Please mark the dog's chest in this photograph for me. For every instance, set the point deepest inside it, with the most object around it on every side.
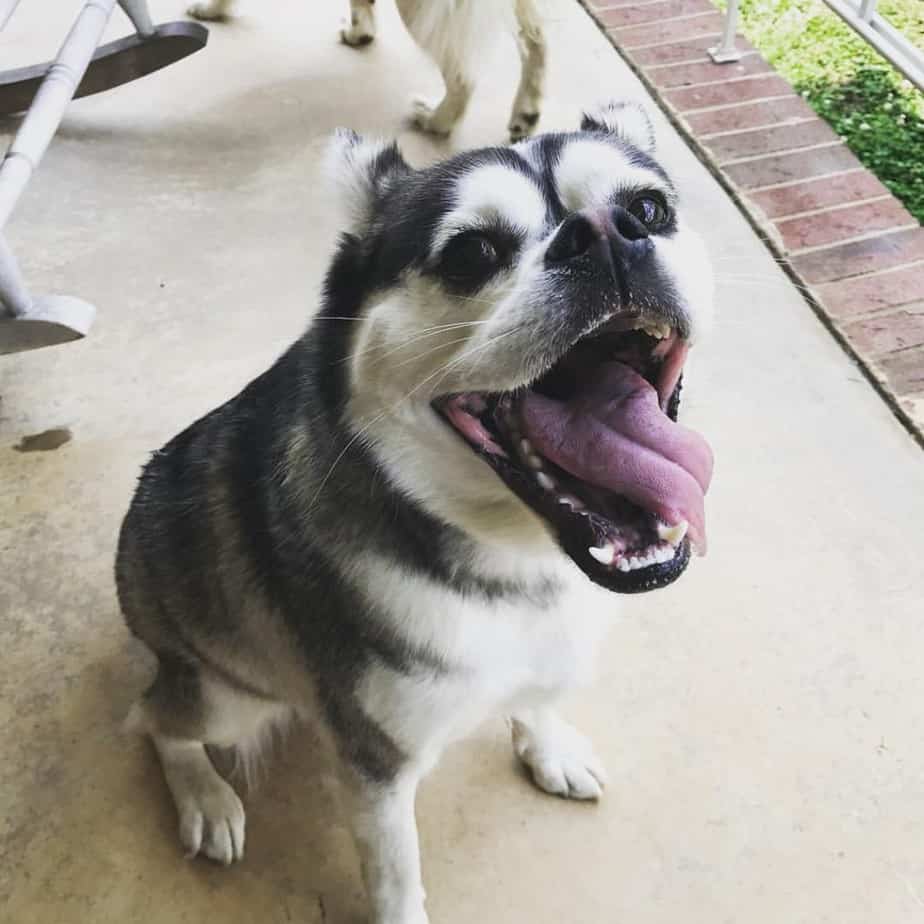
(497, 655)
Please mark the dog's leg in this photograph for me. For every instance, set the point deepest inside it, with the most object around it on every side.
(182, 712)
(528, 101)
(441, 33)
(439, 118)
(210, 813)
(211, 10)
(383, 823)
(560, 759)
(361, 30)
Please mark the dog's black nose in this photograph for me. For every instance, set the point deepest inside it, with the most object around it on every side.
(612, 235)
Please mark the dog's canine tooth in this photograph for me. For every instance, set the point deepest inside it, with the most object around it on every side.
(545, 482)
(534, 461)
(673, 534)
(605, 554)
(526, 448)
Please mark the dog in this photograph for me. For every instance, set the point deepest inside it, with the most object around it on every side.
(421, 516)
(452, 32)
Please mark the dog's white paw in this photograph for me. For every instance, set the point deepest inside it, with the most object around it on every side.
(361, 30)
(208, 12)
(561, 760)
(522, 125)
(211, 820)
(428, 116)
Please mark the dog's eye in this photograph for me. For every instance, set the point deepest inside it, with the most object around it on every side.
(468, 258)
(650, 211)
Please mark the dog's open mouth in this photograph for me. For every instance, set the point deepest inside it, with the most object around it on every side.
(593, 447)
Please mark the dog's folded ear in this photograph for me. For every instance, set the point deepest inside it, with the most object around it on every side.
(627, 120)
(362, 172)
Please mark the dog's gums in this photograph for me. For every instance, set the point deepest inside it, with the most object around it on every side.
(593, 447)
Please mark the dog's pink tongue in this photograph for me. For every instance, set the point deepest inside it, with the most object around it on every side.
(613, 434)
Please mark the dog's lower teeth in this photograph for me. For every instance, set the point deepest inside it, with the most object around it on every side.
(605, 554)
(673, 534)
(623, 564)
(545, 482)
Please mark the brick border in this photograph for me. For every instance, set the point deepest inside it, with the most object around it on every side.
(855, 252)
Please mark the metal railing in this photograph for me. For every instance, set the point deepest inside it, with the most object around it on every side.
(862, 17)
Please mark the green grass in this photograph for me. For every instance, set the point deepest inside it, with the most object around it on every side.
(867, 102)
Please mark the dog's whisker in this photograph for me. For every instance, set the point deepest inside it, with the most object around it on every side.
(426, 333)
(435, 349)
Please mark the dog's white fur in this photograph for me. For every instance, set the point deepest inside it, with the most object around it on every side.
(454, 34)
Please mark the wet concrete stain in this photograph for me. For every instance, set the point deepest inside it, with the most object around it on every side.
(44, 441)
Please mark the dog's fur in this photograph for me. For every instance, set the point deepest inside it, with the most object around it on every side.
(453, 33)
(325, 544)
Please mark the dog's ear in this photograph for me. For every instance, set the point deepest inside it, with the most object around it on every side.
(361, 172)
(627, 120)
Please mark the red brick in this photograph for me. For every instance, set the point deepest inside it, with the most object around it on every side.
(817, 194)
(686, 52)
(796, 165)
(769, 140)
(861, 257)
(836, 225)
(888, 332)
(652, 12)
(674, 30)
(905, 371)
(682, 75)
(849, 297)
(762, 86)
(749, 115)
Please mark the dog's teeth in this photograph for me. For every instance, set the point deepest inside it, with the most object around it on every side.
(623, 564)
(663, 554)
(604, 554)
(526, 449)
(673, 534)
(545, 482)
(534, 461)
(571, 501)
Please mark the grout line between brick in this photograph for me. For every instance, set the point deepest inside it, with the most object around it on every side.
(752, 158)
(840, 206)
(723, 106)
(808, 179)
(707, 60)
(880, 272)
(853, 240)
(719, 80)
(801, 120)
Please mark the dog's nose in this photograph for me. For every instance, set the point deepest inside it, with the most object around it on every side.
(612, 235)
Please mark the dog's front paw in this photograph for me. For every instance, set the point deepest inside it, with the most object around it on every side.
(522, 125)
(429, 117)
(209, 12)
(211, 820)
(361, 30)
(561, 760)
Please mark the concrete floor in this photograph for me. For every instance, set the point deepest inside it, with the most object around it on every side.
(761, 720)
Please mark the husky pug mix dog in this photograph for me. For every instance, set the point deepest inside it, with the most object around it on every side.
(416, 519)
(452, 33)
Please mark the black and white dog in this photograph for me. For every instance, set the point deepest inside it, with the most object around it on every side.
(416, 518)
(453, 33)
